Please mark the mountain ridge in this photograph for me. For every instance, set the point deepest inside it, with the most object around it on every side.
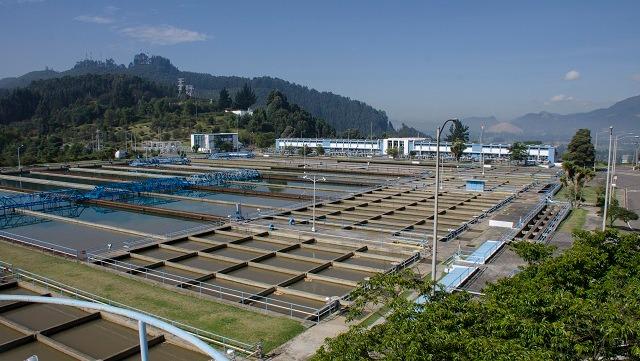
(341, 112)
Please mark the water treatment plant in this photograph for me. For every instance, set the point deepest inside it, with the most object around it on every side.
(256, 234)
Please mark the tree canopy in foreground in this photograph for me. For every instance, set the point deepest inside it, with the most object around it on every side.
(581, 305)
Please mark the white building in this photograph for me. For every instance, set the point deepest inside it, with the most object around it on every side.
(418, 147)
(207, 142)
(240, 112)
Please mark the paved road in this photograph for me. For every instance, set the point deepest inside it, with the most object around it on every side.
(628, 191)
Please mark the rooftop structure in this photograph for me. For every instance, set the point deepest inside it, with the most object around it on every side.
(418, 147)
(209, 143)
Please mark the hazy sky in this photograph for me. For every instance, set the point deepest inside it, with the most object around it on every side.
(420, 61)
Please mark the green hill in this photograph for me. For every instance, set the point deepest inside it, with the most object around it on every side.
(60, 119)
(340, 112)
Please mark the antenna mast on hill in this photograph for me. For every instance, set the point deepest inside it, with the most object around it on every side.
(189, 90)
(180, 86)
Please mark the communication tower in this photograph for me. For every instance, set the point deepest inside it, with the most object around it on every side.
(180, 86)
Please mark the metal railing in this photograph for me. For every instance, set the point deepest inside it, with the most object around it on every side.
(553, 224)
(203, 288)
(460, 279)
(75, 293)
(42, 245)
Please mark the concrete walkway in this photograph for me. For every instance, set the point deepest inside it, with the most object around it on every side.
(305, 345)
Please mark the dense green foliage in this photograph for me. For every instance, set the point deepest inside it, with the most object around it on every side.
(581, 305)
(59, 119)
(458, 136)
(518, 152)
(580, 150)
(283, 119)
(574, 178)
(339, 111)
(458, 132)
(56, 119)
(244, 98)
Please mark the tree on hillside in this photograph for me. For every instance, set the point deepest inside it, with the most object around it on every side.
(518, 152)
(245, 98)
(392, 152)
(580, 150)
(457, 148)
(458, 131)
(458, 136)
(580, 305)
(224, 100)
(574, 178)
(532, 252)
(615, 212)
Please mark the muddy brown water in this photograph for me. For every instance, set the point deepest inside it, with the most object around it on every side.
(269, 246)
(368, 262)
(169, 352)
(44, 352)
(322, 288)
(345, 274)
(178, 272)
(290, 305)
(239, 254)
(219, 237)
(192, 245)
(260, 275)
(15, 291)
(314, 253)
(38, 317)
(8, 334)
(229, 290)
(98, 339)
(289, 263)
(160, 253)
(208, 264)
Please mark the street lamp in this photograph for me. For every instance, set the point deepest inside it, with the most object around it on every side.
(482, 149)
(19, 165)
(615, 147)
(606, 194)
(313, 179)
(434, 247)
(595, 148)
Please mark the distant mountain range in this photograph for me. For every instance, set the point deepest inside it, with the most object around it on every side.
(344, 113)
(339, 111)
(624, 116)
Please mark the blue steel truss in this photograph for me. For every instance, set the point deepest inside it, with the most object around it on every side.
(156, 161)
(232, 155)
(44, 201)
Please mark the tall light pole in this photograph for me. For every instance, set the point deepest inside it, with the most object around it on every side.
(434, 246)
(595, 149)
(606, 192)
(19, 165)
(313, 179)
(615, 148)
(482, 149)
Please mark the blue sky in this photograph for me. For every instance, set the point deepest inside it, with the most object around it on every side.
(421, 61)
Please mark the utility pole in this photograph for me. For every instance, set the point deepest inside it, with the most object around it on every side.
(19, 165)
(482, 149)
(595, 149)
(434, 246)
(313, 179)
(606, 196)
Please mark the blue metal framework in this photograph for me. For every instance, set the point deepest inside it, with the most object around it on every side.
(43, 201)
(156, 161)
(232, 155)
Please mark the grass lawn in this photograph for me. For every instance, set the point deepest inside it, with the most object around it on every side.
(588, 192)
(223, 319)
(575, 220)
